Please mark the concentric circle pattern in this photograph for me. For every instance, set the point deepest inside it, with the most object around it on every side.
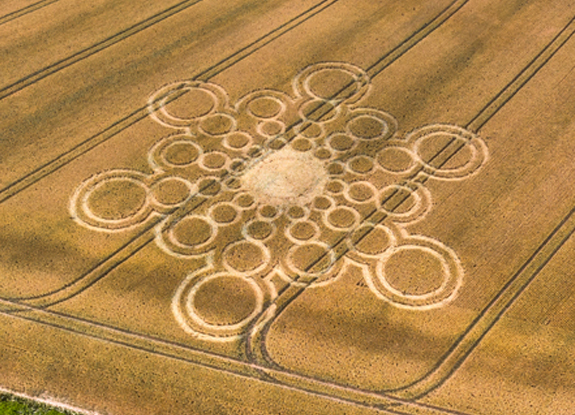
(271, 187)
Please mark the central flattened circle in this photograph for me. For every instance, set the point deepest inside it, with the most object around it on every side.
(286, 177)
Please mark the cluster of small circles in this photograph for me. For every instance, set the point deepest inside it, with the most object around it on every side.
(199, 106)
(266, 107)
(318, 104)
(181, 152)
(341, 215)
(419, 150)
(304, 144)
(213, 117)
(362, 125)
(262, 227)
(391, 159)
(96, 201)
(195, 233)
(358, 192)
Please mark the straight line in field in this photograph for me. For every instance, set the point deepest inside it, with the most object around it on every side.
(95, 48)
(25, 10)
(377, 67)
(493, 106)
(139, 114)
(186, 354)
(493, 311)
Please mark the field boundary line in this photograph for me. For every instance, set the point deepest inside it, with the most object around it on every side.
(189, 355)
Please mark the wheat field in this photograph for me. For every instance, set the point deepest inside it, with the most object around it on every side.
(288, 207)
